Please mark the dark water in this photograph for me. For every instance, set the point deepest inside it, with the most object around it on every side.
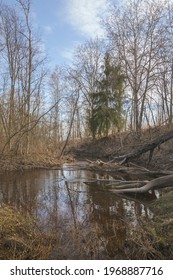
(90, 221)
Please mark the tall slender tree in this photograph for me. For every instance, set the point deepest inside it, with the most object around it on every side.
(108, 97)
(22, 75)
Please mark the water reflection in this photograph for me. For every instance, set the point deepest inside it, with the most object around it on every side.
(93, 222)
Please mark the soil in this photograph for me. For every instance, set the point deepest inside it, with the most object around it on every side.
(124, 143)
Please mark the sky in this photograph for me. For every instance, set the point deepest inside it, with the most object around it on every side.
(65, 24)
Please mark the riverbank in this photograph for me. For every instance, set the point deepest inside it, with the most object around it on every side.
(32, 161)
(105, 148)
(127, 142)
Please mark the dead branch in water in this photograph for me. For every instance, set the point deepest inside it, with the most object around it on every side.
(130, 168)
(122, 186)
(158, 183)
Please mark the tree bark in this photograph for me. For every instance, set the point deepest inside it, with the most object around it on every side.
(147, 147)
(70, 128)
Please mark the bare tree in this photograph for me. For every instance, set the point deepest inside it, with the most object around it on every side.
(22, 74)
(135, 31)
(33, 71)
(164, 83)
(56, 92)
(88, 61)
(12, 41)
(72, 99)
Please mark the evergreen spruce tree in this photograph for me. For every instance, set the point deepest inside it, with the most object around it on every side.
(107, 111)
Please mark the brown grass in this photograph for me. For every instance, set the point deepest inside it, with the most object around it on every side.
(20, 238)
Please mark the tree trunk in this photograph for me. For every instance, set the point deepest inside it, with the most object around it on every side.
(70, 128)
(147, 147)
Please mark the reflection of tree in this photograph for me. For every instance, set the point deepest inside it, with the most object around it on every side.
(113, 217)
(55, 212)
(107, 217)
(20, 189)
(93, 222)
(70, 201)
(62, 206)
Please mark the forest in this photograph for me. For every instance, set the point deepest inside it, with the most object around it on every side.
(111, 107)
(120, 83)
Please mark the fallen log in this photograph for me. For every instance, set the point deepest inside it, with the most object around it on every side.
(102, 181)
(149, 147)
(158, 183)
(128, 185)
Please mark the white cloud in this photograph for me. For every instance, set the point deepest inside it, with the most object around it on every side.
(84, 16)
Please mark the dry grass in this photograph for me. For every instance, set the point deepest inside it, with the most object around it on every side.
(20, 238)
(144, 243)
(31, 161)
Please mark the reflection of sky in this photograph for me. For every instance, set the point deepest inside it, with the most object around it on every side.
(60, 195)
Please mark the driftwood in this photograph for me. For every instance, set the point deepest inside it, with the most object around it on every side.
(129, 185)
(121, 186)
(98, 162)
(149, 147)
(132, 168)
(158, 183)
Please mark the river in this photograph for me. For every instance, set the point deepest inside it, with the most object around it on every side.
(90, 221)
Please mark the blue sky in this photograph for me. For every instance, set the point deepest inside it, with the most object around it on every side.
(64, 24)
